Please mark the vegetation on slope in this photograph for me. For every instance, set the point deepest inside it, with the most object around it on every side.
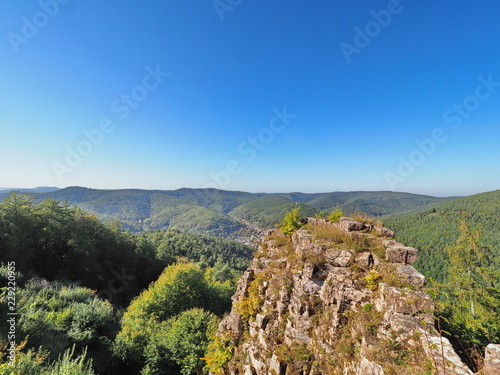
(75, 274)
(459, 245)
(54, 241)
(381, 203)
(270, 210)
(154, 209)
(60, 317)
(167, 326)
(469, 301)
(435, 229)
(219, 212)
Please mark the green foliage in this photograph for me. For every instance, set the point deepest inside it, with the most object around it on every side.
(187, 339)
(251, 303)
(470, 299)
(54, 241)
(67, 365)
(372, 280)
(432, 231)
(35, 363)
(320, 215)
(296, 355)
(178, 344)
(27, 362)
(207, 250)
(291, 221)
(57, 317)
(219, 352)
(151, 335)
(269, 210)
(335, 215)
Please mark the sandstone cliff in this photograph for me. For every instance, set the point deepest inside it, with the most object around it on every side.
(334, 298)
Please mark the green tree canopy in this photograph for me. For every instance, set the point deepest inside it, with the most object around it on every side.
(471, 296)
(151, 333)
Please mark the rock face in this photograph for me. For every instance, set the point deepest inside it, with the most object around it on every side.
(492, 360)
(401, 254)
(335, 298)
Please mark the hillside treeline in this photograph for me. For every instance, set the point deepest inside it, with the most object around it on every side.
(435, 229)
(459, 245)
(94, 299)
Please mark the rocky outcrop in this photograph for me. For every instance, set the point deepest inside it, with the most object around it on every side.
(336, 298)
(492, 360)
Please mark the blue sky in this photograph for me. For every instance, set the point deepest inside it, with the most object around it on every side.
(246, 95)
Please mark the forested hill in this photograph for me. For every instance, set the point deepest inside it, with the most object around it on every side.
(225, 213)
(189, 210)
(69, 278)
(374, 203)
(434, 230)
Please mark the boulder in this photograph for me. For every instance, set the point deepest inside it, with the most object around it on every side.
(492, 360)
(403, 326)
(340, 258)
(389, 242)
(410, 275)
(350, 225)
(407, 302)
(439, 348)
(383, 232)
(401, 254)
(302, 240)
(311, 287)
(369, 367)
(367, 259)
(317, 221)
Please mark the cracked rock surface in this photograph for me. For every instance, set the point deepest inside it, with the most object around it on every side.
(310, 304)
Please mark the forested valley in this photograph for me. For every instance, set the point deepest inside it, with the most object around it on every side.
(92, 298)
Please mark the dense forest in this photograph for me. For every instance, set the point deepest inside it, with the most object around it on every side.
(459, 245)
(92, 298)
(270, 210)
(434, 230)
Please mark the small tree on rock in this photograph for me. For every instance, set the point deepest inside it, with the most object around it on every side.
(291, 221)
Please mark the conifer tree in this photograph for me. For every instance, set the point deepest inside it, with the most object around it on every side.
(472, 304)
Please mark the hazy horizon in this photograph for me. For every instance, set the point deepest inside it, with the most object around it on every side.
(246, 191)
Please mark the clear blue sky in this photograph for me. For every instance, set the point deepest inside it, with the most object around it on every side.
(359, 82)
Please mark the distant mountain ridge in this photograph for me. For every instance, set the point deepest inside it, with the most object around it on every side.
(39, 189)
(377, 203)
(225, 213)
